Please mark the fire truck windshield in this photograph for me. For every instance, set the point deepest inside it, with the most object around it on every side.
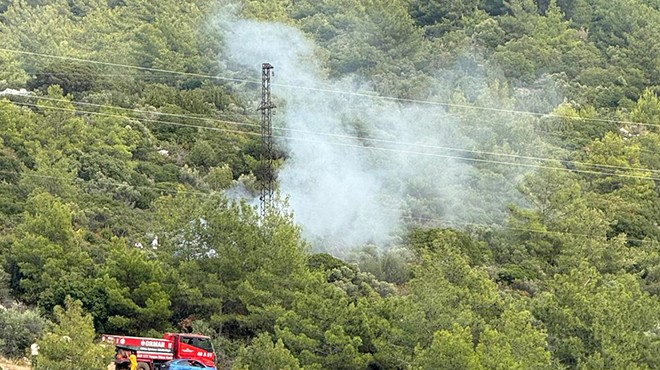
(199, 342)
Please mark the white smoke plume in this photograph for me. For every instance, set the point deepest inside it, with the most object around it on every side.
(360, 168)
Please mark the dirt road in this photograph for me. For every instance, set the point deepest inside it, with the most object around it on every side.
(5, 365)
(9, 366)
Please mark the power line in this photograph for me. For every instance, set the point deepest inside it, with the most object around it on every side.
(126, 66)
(352, 145)
(138, 118)
(377, 140)
(516, 228)
(177, 115)
(373, 148)
(164, 114)
(199, 117)
(334, 91)
(104, 182)
(69, 73)
(414, 218)
(424, 146)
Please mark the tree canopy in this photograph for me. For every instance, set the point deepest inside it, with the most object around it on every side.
(131, 161)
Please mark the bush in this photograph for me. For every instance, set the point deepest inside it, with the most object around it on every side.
(19, 328)
(70, 344)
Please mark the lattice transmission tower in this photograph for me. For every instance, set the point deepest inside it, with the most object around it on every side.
(268, 172)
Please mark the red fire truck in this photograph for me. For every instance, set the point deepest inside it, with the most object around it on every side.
(153, 352)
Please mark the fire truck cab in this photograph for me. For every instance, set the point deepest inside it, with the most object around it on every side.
(152, 353)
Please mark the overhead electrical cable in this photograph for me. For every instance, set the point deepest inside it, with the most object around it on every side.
(157, 113)
(333, 91)
(125, 66)
(373, 148)
(105, 182)
(517, 228)
(393, 142)
(414, 218)
(138, 119)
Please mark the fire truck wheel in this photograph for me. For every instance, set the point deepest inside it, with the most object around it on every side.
(143, 366)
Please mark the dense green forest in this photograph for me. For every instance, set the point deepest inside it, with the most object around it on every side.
(531, 243)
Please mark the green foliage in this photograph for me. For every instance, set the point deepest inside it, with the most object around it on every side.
(19, 328)
(357, 40)
(392, 265)
(434, 240)
(449, 350)
(71, 342)
(13, 74)
(72, 78)
(631, 199)
(579, 12)
(202, 154)
(591, 317)
(548, 46)
(137, 301)
(325, 330)
(262, 353)
(105, 157)
(647, 110)
(514, 342)
(573, 127)
(438, 17)
(219, 178)
(48, 260)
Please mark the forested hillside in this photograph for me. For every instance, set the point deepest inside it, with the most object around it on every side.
(461, 184)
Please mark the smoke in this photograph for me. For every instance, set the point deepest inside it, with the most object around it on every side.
(359, 169)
